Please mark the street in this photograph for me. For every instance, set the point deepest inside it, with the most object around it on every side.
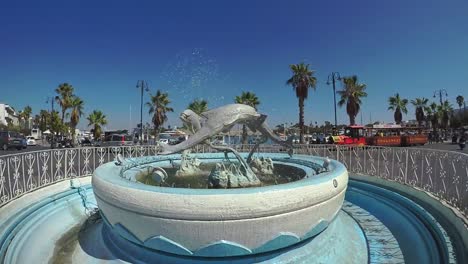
(445, 146)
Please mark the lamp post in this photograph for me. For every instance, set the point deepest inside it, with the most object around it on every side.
(332, 78)
(51, 100)
(440, 92)
(143, 85)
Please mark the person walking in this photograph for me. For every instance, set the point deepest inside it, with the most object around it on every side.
(462, 141)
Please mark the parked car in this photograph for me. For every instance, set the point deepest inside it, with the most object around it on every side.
(164, 141)
(30, 141)
(10, 139)
(86, 142)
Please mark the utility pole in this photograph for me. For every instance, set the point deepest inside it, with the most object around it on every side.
(441, 91)
(143, 85)
(332, 78)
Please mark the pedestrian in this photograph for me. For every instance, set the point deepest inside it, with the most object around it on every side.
(462, 141)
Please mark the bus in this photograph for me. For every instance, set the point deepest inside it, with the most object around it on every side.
(382, 135)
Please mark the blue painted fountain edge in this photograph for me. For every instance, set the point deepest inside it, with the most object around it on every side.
(17, 221)
(219, 248)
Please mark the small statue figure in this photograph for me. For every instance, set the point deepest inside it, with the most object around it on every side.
(262, 166)
(230, 176)
(188, 166)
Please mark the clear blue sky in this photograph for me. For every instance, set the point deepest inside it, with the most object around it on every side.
(216, 49)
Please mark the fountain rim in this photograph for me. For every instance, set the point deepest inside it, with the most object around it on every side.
(243, 203)
(336, 169)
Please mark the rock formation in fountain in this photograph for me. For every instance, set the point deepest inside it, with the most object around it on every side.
(230, 176)
(189, 166)
(262, 166)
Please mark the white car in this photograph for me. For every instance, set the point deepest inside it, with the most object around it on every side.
(30, 141)
(164, 140)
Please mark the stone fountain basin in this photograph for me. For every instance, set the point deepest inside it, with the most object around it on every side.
(220, 222)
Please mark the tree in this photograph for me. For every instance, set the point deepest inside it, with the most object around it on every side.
(351, 94)
(65, 93)
(44, 121)
(460, 101)
(198, 106)
(301, 80)
(97, 119)
(432, 115)
(397, 104)
(444, 111)
(247, 98)
(76, 106)
(159, 106)
(24, 116)
(420, 104)
(56, 125)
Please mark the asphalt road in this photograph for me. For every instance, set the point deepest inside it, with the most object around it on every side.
(445, 146)
(28, 149)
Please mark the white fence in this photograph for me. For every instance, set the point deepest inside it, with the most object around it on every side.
(442, 173)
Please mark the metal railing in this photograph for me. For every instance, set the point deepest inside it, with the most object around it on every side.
(444, 174)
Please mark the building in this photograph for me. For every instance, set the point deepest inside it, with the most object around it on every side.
(8, 114)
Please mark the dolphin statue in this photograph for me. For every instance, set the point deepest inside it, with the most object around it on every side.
(221, 119)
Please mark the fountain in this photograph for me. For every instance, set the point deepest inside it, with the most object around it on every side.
(227, 222)
(223, 206)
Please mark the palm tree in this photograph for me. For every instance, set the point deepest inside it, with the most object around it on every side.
(45, 120)
(397, 104)
(76, 105)
(432, 115)
(198, 106)
(351, 94)
(420, 104)
(247, 98)
(65, 92)
(159, 106)
(24, 115)
(444, 112)
(460, 101)
(301, 80)
(97, 119)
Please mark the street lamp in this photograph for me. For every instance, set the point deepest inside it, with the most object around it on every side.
(51, 100)
(332, 78)
(143, 85)
(441, 91)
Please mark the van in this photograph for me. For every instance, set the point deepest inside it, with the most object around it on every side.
(116, 140)
(10, 139)
(36, 133)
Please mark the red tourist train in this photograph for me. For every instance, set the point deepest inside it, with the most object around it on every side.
(381, 135)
